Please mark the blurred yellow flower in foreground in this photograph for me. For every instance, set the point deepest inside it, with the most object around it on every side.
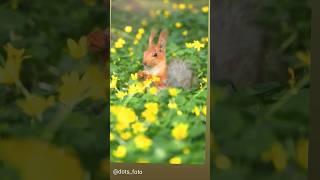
(71, 90)
(223, 162)
(185, 33)
(120, 152)
(34, 160)
(10, 72)
(134, 76)
(175, 160)
(196, 111)
(121, 94)
(180, 131)
(78, 50)
(128, 29)
(34, 105)
(125, 135)
(150, 112)
(277, 155)
(153, 90)
(142, 142)
(302, 148)
(178, 25)
(182, 6)
(204, 110)
(166, 13)
(173, 92)
(141, 31)
(205, 9)
(93, 83)
(172, 105)
(123, 114)
(112, 137)
(120, 43)
(138, 128)
(196, 45)
(136, 88)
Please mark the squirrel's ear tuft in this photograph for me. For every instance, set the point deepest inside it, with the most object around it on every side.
(151, 37)
(163, 39)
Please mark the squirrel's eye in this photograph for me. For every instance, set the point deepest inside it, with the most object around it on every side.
(154, 54)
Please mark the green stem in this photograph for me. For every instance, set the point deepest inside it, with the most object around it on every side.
(54, 125)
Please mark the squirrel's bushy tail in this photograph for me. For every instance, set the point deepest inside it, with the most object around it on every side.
(179, 74)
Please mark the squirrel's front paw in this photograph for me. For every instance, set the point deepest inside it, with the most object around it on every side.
(141, 74)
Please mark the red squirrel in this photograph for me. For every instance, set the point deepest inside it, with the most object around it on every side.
(177, 73)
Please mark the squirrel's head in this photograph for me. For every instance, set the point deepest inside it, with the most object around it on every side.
(156, 52)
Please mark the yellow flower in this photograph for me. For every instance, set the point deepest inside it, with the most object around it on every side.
(135, 42)
(128, 29)
(205, 9)
(178, 25)
(149, 116)
(153, 107)
(78, 50)
(120, 43)
(172, 105)
(125, 135)
(173, 92)
(138, 128)
(189, 45)
(180, 131)
(141, 31)
(182, 6)
(196, 111)
(93, 83)
(153, 90)
(204, 110)
(10, 72)
(142, 142)
(113, 50)
(120, 152)
(175, 160)
(34, 105)
(90, 2)
(302, 148)
(185, 33)
(150, 112)
(277, 155)
(165, 1)
(123, 114)
(166, 13)
(179, 113)
(223, 162)
(134, 76)
(136, 88)
(138, 36)
(112, 137)
(197, 45)
(44, 157)
(113, 82)
(205, 39)
(121, 126)
(72, 89)
(121, 94)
